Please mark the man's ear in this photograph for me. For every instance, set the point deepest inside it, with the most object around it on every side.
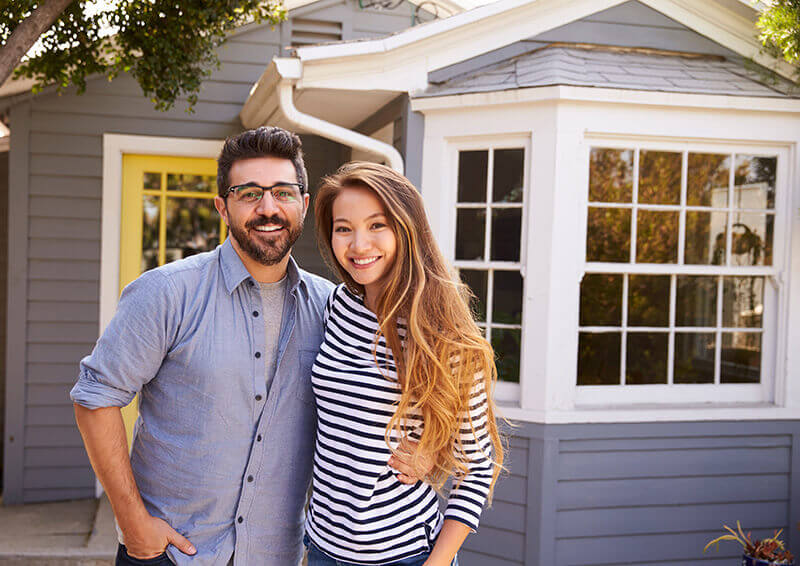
(306, 200)
(222, 208)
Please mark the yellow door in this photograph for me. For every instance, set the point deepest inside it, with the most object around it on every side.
(167, 214)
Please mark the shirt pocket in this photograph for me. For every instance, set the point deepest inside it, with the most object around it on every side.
(303, 389)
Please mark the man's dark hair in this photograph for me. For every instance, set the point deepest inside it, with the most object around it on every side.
(266, 141)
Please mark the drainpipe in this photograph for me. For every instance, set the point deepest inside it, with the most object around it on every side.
(332, 131)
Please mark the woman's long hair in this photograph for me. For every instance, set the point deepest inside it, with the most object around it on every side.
(444, 355)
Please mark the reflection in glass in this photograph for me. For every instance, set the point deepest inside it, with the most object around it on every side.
(694, 357)
(696, 301)
(657, 236)
(751, 239)
(477, 281)
(150, 216)
(599, 358)
(741, 357)
(152, 181)
(470, 233)
(754, 181)
(506, 234)
(608, 235)
(742, 302)
(473, 167)
(507, 301)
(601, 300)
(708, 179)
(646, 359)
(192, 227)
(185, 182)
(505, 342)
(610, 175)
(705, 238)
(659, 177)
(648, 300)
(509, 165)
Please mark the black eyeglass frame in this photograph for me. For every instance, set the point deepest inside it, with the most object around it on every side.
(300, 186)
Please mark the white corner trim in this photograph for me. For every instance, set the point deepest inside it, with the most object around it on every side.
(5, 143)
(114, 146)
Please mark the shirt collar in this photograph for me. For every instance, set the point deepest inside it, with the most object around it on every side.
(234, 272)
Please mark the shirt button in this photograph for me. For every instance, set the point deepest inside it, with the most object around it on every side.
(258, 397)
(240, 520)
(258, 438)
(255, 314)
(258, 355)
(249, 478)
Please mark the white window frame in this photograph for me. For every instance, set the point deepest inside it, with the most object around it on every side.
(504, 391)
(775, 293)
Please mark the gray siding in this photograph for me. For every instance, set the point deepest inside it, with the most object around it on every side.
(55, 223)
(639, 493)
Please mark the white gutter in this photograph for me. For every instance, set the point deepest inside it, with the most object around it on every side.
(329, 130)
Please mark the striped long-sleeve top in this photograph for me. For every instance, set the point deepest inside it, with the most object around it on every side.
(359, 512)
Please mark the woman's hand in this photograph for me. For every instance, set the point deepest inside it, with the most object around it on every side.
(412, 465)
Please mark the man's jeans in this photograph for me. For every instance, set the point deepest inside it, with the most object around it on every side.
(123, 559)
(318, 558)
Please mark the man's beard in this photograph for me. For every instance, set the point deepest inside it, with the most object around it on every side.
(267, 252)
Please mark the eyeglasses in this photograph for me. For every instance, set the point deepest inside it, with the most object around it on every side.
(251, 193)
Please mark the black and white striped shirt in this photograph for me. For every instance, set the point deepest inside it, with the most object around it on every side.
(359, 512)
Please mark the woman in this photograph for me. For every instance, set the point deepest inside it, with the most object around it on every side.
(402, 359)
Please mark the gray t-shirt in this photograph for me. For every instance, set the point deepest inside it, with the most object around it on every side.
(272, 299)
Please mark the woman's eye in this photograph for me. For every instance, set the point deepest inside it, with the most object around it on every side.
(341, 229)
(378, 226)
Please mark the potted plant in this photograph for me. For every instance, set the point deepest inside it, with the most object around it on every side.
(768, 552)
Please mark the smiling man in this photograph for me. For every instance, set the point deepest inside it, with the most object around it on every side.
(220, 345)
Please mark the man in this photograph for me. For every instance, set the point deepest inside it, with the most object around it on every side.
(220, 345)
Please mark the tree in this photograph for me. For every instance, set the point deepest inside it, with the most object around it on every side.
(168, 46)
(780, 30)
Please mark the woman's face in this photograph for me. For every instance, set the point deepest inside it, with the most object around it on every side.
(362, 240)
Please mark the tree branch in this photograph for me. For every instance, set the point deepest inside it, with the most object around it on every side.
(26, 34)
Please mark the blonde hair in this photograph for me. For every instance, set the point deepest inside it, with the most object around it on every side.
(444, 355)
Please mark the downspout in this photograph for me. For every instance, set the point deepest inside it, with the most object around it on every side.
(332, 131)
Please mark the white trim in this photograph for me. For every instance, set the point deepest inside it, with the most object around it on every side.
(598, 94)
(5, 143)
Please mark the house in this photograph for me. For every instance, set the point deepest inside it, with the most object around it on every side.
(615, 179)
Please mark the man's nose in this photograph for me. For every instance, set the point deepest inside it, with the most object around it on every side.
(267, 205)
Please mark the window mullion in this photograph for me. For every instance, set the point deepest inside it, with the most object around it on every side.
(624, 338)
(489, 302)
(673, 291)
(729, 215)
(487, 244)
(162, 221)
(634, 210)
(682, 215)
(718, 349)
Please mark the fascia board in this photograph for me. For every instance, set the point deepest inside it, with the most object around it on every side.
(603, 95)
(257, 107)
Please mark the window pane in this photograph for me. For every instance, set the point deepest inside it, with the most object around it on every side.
(509, 165)
(741, 357)
(200, 183)
(694, 358)
(470, 233)
(646, 360)
(506, 347)
(708, 179)
(152, 181)
(192, 227)
(477, 282)
(705, 238)
(608, 235)
(507, 303)
(659, 177)
(751, 242)
(648, 300)
(506, 234)
(657, 237)
(599, 358)
(610, 175)
(601, 300)
(473, 170)
(754, 182)
(150, 215)
(696, 301)
(742, 302)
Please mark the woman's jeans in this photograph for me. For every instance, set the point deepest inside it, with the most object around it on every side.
(318, 558)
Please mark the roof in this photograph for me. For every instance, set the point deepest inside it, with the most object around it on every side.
(624, 68)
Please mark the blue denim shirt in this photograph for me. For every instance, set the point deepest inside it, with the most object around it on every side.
(224, 463)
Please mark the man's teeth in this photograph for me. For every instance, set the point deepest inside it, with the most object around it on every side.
(365, 260)
(267, 228)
